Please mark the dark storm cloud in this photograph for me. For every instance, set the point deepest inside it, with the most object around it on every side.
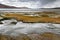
(27, 0)
(43, 2)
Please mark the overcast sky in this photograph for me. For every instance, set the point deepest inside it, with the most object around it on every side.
(32, 3)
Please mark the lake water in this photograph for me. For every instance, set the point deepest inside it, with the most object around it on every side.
(27, 10)
(27, 28)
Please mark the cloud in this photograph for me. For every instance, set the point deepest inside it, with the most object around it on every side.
(43, 2)
(52, 5)
(28, 0)
(32, 3)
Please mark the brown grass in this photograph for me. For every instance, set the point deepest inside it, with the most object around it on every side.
(24, 18)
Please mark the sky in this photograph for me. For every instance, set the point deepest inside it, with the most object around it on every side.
(32, 3)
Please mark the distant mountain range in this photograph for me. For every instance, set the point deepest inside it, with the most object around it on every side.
(6, 6)
(51, 8)
(56, 8)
